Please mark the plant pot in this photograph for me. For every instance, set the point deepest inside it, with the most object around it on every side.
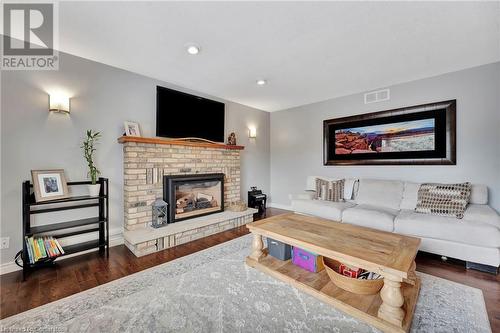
(94, 190)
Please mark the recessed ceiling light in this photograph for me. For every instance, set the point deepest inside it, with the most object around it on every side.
(193, 49)
(261, 82)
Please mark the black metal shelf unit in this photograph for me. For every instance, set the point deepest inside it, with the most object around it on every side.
(100, 223)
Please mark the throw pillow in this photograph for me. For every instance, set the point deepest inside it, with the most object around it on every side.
(443, 199)
(331, 190)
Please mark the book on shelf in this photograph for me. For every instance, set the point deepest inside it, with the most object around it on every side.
(42, 247)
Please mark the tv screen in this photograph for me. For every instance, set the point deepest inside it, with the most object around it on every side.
(181, 115)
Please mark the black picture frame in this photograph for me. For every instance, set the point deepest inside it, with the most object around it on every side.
(444, 152)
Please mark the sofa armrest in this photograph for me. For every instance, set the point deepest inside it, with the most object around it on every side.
(306, 195)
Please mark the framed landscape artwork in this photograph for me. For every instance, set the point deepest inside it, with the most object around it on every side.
(422, 134)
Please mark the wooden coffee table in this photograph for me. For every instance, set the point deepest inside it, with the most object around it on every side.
(390, 255)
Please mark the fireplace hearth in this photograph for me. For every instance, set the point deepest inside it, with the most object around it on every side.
(190, 196)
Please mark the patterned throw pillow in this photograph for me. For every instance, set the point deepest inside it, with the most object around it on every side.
(331, 190)
(443, 199)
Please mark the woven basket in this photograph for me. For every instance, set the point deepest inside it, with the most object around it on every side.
(238, 206)
(361, 287)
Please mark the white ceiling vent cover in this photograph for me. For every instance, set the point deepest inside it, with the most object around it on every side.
(377, 96)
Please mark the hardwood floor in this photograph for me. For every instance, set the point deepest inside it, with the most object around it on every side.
(76, 274)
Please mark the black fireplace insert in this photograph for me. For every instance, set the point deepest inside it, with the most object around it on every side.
(190, 196)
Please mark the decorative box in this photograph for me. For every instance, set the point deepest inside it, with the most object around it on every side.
(350, 271)
(278, 249)
(307, 260)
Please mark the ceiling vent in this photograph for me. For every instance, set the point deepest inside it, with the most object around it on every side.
(377, 96)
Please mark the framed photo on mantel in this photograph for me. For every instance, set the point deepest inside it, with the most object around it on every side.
(131, 128)
(422, 134)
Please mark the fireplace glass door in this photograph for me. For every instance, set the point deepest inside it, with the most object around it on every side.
(195, 198)
(196, 195)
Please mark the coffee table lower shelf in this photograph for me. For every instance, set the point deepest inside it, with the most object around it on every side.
(319, 285)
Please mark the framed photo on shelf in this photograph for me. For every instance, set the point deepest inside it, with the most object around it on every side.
(131, 128)
(421, 134)
(49, 184)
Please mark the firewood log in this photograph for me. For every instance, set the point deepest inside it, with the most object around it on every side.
(204, 196)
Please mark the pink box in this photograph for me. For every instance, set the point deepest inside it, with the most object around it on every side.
(307, 260)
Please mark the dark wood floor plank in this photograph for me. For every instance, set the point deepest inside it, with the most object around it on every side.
(86, 271)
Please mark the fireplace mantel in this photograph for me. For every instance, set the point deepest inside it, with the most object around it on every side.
(200, 144)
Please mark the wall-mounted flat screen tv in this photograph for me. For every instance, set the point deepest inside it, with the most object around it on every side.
(181, 115)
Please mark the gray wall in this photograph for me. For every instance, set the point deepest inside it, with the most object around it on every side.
(297, 134)
(103, 97)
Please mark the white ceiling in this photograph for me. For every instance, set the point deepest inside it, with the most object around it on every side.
(307, 51)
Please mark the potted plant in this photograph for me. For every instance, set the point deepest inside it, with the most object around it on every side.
(89, 149)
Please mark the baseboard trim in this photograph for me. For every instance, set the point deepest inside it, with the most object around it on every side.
(114, 240)
(9, 267)
(279, 206)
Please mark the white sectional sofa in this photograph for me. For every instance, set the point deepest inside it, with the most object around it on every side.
(389, 205)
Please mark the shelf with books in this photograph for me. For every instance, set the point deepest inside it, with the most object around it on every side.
(42, 248)
(46, 236)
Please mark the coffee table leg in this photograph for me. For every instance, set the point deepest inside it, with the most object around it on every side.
(257, 247)
(392, 301)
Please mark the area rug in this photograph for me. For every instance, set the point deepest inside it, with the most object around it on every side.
(214, 291)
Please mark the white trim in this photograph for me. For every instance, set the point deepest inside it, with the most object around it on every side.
(9, 267)
(280, 206)
(115, 238)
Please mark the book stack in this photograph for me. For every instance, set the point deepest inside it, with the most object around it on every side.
(40, 248)
(358, 273)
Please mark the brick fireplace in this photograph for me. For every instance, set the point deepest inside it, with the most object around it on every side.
(146, 161)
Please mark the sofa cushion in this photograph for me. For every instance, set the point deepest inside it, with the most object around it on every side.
(482, 213)
(331, 190)
(350, 185)
(479, 194)
(371, 217)
(311, 183)
(325, 209)
(306, 195)
(350, 188)
(410, 195)
(380, 193)
(448, 200)
(464, 231)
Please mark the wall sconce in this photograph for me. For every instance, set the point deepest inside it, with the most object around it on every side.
(59, 104)
(252, 132)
